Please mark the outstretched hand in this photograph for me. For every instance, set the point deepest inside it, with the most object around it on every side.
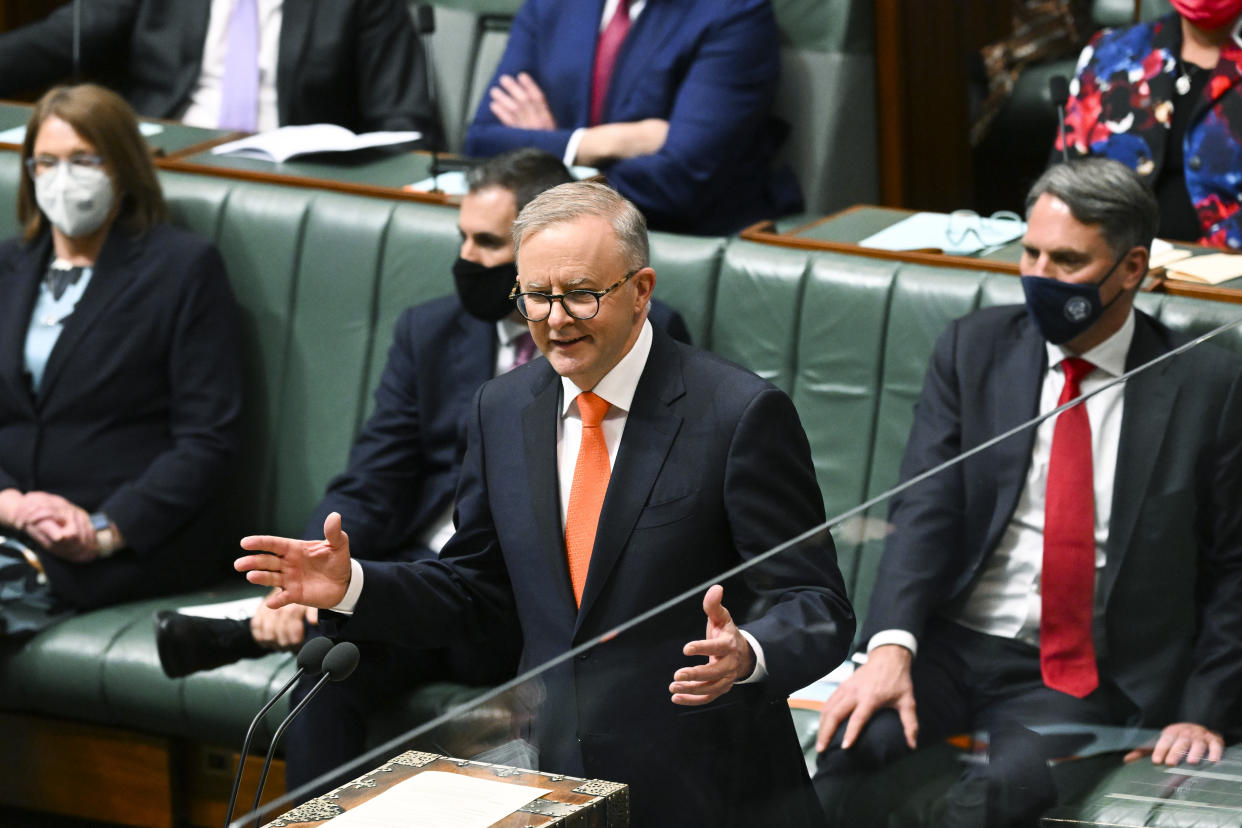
(314, 573)
(729, 657)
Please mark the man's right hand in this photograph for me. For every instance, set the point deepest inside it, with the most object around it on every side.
(314, 573)
(884, 681)
(282, 629)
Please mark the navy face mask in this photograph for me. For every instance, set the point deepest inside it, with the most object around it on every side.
(1063, 310)
(484, 291)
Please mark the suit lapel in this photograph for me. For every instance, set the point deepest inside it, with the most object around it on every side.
(20, 284)
(1149, 399)
(110, 276)
(1011, 403)
(650, 429)
(539, 422)
(296, 16)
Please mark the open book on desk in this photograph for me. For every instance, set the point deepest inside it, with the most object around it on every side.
(280, 145)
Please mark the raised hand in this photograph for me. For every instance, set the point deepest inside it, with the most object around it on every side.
(314, 573)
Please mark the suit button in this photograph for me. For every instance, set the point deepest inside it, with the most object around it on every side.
(583, 656)
(1195, 162)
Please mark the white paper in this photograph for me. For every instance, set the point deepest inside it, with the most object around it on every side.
(240, 610)
(17, 134)
(454, 182)
(435, 799)
(282, 144)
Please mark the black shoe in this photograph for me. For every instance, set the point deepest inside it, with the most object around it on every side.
(188, 643)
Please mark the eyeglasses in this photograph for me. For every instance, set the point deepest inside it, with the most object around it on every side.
(77, 164)
(1001, 227)
(579, 304)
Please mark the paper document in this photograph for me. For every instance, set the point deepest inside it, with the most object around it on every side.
(17, 134)
(1211, 269)
(240, 610)
(434, 799)
(287, 142)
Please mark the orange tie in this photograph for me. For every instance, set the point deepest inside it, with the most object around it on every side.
(586, 495)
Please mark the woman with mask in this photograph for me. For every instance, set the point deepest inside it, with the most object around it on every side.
(120, 373)
(1165, 98)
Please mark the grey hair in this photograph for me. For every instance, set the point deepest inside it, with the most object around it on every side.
(576, 199)
(1103, 193)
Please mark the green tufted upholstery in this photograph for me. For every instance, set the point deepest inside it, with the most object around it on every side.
(322, 277)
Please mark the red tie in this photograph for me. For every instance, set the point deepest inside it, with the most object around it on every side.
(586, 494)
(606, 57)
(1066, 650)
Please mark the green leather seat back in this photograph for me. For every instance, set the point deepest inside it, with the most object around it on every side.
(755, 318)
(10, 174)
(686, 271)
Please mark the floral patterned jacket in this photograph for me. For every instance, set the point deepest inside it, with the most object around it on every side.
(1121, 106)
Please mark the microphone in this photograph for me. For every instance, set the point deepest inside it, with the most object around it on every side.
(1058, 87)
(338, 665)
(310, 662)
(425, 22)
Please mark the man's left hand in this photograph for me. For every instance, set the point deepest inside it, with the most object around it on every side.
(729, 657)
(1183, 740)
(519, 102)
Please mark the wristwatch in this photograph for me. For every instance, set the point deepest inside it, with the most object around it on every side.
(105, 538)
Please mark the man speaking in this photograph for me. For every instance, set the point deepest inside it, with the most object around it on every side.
(622, 470)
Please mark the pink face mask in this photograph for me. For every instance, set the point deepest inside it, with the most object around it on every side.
(1208, 14)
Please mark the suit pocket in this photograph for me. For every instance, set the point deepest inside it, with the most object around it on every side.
(667, 510)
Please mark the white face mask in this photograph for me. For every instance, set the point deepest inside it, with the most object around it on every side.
(76, 203)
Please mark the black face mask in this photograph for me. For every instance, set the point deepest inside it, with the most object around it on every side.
(484, 291)
(1063, 310)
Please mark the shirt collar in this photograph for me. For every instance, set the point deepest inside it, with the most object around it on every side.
(1109, 356)
(618, 385)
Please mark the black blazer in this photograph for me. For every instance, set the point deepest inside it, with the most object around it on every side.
(404, 464)
(1172, 584)
(357, 63)
(713, 469)
(138, 412)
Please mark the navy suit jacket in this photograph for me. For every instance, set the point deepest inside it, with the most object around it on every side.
(403, 466)
(1171, 631)
(713, 469)
(138, 412)
(357, 63)
(708, 67)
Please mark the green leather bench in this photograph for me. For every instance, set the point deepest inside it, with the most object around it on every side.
(321, 278)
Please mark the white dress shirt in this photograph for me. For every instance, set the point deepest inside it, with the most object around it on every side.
(1005, 600)
(47, 320)
(207, 94)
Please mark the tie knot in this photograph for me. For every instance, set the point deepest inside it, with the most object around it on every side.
(1076, 368)
(592, 408)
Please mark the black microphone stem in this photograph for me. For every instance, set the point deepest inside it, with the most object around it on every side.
(271, 750)
(241, 760)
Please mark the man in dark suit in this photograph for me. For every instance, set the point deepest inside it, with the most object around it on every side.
(1087, 572)
(357, 63)
(622, 471)
(672, 103)
(397, 491)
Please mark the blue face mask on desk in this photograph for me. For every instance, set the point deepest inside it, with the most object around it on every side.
(1063, 310)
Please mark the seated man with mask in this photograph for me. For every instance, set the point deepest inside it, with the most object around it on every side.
(397, 492)
(1086, 572)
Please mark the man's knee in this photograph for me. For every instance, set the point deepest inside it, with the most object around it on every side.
(881, 742)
